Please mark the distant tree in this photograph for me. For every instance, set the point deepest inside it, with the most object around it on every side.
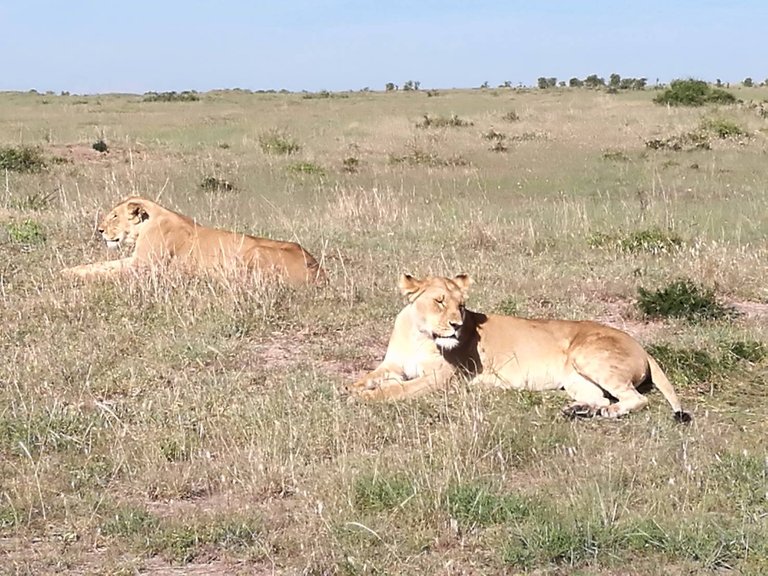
(575, 83)
(639, 83)
(561, 83)
(390, 87)
(506, 84)
(408, 86)
(544, 83)
(594, 81)
(614, 81)
(748, 82)
(719, 83)
(485, 85)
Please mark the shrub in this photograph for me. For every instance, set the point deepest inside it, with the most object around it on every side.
(350, 164)
(417, 156)
(277, 142)
(682, 299)
(494, 135)
(688, 141)
(27, 232)
(615, 155)
(452, 121)
(653, 240)
(100, 146)
(722, 128)
(21, 159)
(214, 184)
(692, 92)
(185, 96)
(306, 168)
(511, 116)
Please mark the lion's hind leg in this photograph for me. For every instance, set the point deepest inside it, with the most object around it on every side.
(588, 398)
(621, 387)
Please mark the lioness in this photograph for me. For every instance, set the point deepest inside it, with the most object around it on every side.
(435, 336)
(161, 236)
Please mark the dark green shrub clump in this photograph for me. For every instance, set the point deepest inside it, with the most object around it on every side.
(722, 128)
(651, 240)
(27, 233)
(308, 168)
(100, 146)
(214, 184)
(692, 92)
(21, 159)
(185, 96)
(277, 142)
(682, 299)
(452, 121)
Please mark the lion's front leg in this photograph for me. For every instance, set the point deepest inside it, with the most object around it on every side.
(385, 374)
(100, 269)
(399, 389)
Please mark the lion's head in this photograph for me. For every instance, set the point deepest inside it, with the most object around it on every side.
(437, 306)
(122, 225)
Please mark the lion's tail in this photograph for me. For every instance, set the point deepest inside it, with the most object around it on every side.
(664, 386)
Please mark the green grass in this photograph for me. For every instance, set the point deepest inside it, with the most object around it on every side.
(682, 298)
(173, 419)
(21, 159)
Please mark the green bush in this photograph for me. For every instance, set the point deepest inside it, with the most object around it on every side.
(722, 128)
(278, 142)
(214, 184)
(692, 92)
(308, 168)
(682, 299)
(452, 121)
(27, 232)
(651, 240)
(185, 96)
(350, 164)
(21, 159)
(100, 146)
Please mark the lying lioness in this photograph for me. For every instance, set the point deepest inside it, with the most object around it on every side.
(161, 236)
(435, 337)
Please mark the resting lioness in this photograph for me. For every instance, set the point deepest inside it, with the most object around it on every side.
(435, 336)
(161, 236)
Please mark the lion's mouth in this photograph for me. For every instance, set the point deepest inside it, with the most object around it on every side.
(446, 342)
(113, 244)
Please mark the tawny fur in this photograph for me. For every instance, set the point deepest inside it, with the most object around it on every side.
(160, 236)
(435, 337)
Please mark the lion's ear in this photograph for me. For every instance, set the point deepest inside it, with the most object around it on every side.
(409, 285)
(463, 281)
(137, 212)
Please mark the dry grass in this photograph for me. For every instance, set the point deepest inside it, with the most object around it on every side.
(193, 425)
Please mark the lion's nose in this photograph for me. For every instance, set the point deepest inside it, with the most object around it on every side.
(100, 230)
(455, 324)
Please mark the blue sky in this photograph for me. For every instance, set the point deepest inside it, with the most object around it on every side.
(141, 45)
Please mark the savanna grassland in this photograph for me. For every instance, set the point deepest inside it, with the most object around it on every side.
(170, 424)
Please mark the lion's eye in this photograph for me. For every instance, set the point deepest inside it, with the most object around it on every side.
(114, 216)
(440, 301)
